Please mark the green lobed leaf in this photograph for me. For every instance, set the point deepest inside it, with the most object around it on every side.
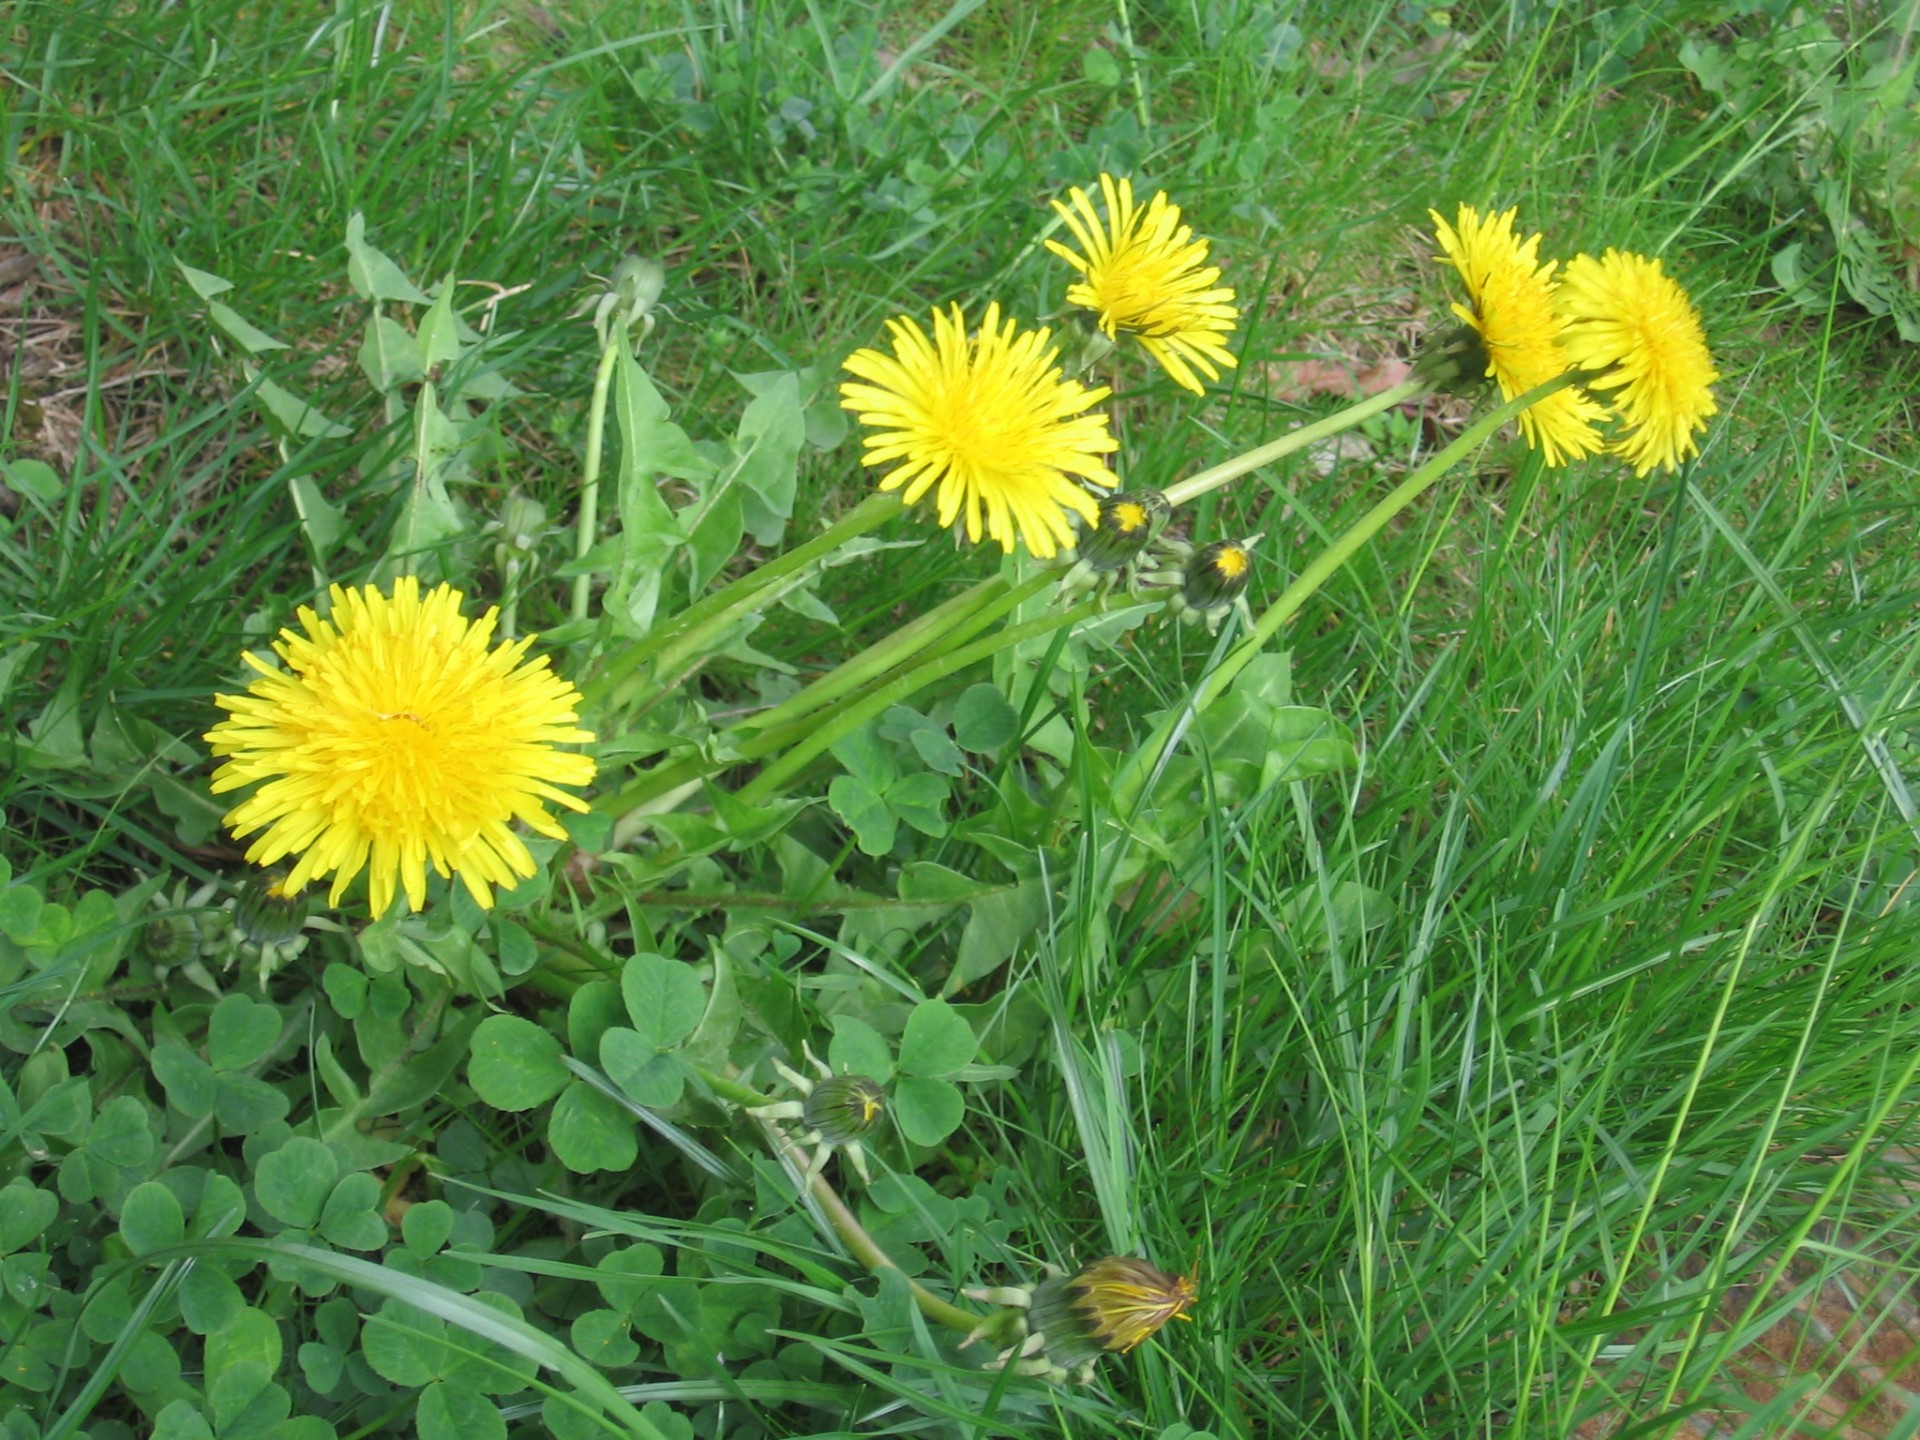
(25, 1212)
(649, 1077)
(983, 720)
(866, 813)
(858, 1049)
(450, 1412)
(352, 1218)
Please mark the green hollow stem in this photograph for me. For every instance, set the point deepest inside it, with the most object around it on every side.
(1212, 478)
(1129, 786)
(847, 719)
(715, 612)
(865, 1248)
(883, 655)
(986, 607)
(588, 527)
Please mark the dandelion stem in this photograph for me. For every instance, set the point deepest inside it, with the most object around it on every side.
(589, 519)
(1137, 775)
(1212, 478)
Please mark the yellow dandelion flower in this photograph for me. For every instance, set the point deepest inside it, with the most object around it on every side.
(990, 420)
(399, 739)
(1637, 327)
(1510, 295)
(1143, 272)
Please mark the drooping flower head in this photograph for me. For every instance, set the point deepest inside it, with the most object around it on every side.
(1636, 327)
(990, 420)
(1066, 1322)
(399, 739)
(1143, 272)
(1510, 305)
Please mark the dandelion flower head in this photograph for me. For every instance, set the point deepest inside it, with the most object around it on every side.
(396, 738)
(1142, 271)
(990, 421)
(1510, 305)
(1635, 324)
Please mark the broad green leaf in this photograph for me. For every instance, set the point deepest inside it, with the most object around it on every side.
(390, 356)
(246, 1103)
(858, 1049)
(644, 1073)
(589, 1132)
(296, 416)
(205, 285)
(181, 1420)
(323, 522)
(209, 1300)
(515, 1064)
(665, 999)
(35, 478)
(451, 1412)
(252, 1339)
(921, 801)
(766, 451)
(293, 1183)
(187, 1079)
(322, 1365)
(865, 812)
(371, 274)
(405, 1345)
(352, 1218)
(938, 1040)
(25, 1211)
(243, 332)
(426, 1226)
(240, 1031)
(650, 446)
(246, 1403)
(431, 518)
(604, 1337)
(151, 1218)
(714, 536)
(995, 927)
(120, 1133)
(983, 721)
(936, 748)
(928, 1110)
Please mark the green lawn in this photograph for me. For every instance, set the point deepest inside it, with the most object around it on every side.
(1502, 1004)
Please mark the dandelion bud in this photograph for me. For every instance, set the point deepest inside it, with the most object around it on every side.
(170, 940)
(1110, 1305)
(266, 915)
(1215, 578)
(842, 1108)
(1126, 525)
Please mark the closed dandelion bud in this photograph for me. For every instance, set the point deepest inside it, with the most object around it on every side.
(1110, 1305)
(842, 1108)
(1217, 575)
(1126, 525)
(170, 940)
(266, 915)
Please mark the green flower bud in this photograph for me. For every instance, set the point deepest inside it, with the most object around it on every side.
(1217, 575)
(522, 519)
(265, 915)
(1126, 525)
(842, 1108)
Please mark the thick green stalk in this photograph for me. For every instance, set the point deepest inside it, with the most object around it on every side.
(714, 612)
(847, 719)
(588, 529)
(1131, 782)
(878, 658)
(1212, 478)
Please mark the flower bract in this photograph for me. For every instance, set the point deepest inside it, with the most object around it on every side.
(990, 421)
(1510, 305)
(394, 739)
(1141, 271)
(1634, 325)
